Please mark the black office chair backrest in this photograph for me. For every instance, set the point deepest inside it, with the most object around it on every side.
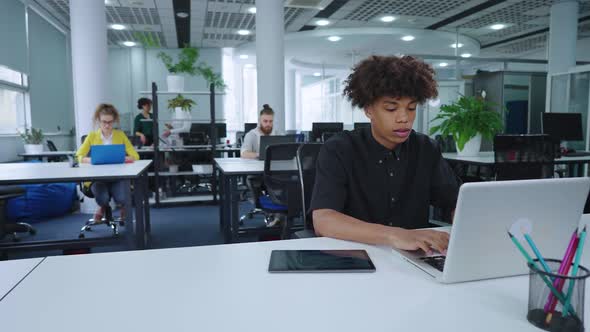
(523, 157)
(307, 156)
(240, 138)
(83, 138)
(51, 146)
(280, 172)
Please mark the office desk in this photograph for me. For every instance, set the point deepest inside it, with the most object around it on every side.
(230, 169)
(46, 154)
(27, 173)
(12, 272)
(228, 288)
(486, 158)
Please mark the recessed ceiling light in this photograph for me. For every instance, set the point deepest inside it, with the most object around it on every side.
(249, 65)
(443, 64)
(497, 26)
(408, 38)
(455, 45)
(387, 19)
(129, 43)
(334, 38)
(317, 74)
(182, 14)
(466, 55)
(252, 10)
(117, 27)
(322, 22)
(243, 32)
(244, 56)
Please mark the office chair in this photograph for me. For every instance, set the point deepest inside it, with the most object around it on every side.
(6, 193)
(522, 157)
(307, 156)
(281, 180)
(240, 138)
(51, 146)
(107, 218)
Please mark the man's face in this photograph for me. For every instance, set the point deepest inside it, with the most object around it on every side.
(265, 123)
(392, 119)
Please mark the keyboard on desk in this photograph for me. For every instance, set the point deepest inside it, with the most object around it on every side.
(438, 262)
(578, 154)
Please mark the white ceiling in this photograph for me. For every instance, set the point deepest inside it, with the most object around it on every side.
(214, 23)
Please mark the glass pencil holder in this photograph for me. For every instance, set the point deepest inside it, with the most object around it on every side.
(556, 302)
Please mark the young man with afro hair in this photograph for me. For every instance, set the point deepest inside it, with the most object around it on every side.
(375, 185)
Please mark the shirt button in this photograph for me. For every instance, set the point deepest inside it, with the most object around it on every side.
(380, 161)
(391, 174)
(393, 200)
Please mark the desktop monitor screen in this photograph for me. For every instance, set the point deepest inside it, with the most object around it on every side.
(249, 126)
(206, 128)
(563, 126)
(320, 128)
(361, 125)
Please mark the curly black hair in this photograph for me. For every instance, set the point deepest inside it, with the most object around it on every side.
(392, 76)
(143, 101)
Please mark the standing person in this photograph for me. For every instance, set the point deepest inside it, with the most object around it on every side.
(376, 185)
(106, 116)
(144, 129)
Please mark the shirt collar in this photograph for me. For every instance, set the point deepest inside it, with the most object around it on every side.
(106, 138)
(378, 151)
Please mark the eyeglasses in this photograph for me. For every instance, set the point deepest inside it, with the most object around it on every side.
(107, 123)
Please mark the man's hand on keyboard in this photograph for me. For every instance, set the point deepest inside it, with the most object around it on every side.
(424, 239)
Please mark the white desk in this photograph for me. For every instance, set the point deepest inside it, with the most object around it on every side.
(47, 154)
(22, 173)
(228, 288)
(230, 170)
(12, 272)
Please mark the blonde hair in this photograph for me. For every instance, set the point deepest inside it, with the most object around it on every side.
(106, 109)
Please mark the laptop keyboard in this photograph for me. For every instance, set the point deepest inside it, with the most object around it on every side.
(438, 262)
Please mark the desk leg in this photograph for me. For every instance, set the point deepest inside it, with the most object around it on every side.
(234, 199)
(138, 199)
(221, 201)
(146, 207)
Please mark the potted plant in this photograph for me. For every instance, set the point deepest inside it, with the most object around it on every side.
(186, 65)
(179, 103)
(468, 120)
(33, 140)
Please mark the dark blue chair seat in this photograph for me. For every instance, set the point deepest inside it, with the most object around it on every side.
(267, 204)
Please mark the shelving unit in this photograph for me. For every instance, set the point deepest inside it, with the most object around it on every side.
(158, 173)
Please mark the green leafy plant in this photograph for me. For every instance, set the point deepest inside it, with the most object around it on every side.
(33, 136)
(179, 101)
(186, 64)
(186, 61)
(467, 117)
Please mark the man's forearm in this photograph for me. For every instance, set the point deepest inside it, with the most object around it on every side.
(249, 155)
(337, 225)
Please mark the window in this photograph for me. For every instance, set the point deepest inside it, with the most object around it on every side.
(14, 101)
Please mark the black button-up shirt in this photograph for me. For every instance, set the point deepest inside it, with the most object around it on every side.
(361, 178)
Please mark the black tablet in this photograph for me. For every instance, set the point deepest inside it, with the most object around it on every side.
(320, 261)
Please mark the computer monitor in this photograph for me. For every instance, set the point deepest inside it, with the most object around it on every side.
(249, 126)
(319, 130)
(206, 129)
(361, 125)
(563, 126)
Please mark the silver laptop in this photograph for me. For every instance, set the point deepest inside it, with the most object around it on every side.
(479, 246)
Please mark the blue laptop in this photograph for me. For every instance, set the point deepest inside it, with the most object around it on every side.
(107, 154)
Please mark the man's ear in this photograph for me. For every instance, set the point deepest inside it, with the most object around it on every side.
(369, 112)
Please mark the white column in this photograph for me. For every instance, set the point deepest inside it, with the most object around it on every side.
(89, 60)
(270, 58)
(89, 67)
(563, 35)
(290, 114)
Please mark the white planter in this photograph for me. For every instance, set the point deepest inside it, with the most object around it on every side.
(471, 148)
(175, 83)
(33, 148)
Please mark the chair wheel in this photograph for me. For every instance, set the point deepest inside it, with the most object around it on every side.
(81, 236)
(89, 229)
(32, 231)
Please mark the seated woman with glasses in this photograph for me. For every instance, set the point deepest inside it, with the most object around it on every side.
(106, 116)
